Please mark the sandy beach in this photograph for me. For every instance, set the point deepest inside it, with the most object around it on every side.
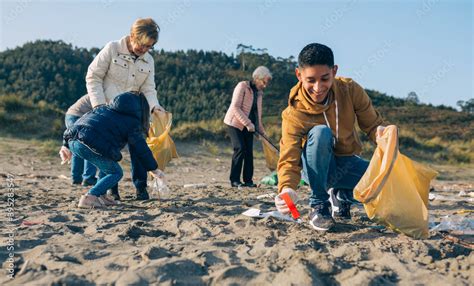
(198, 236)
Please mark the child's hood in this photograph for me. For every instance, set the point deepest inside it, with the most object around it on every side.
(127, 103)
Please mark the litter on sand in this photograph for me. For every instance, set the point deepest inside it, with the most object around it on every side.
(63, 177)
(433, 197)
(256, 213)
(267, 196)
(195, 186)
(30, 223)
(160, 188)
(463, 193)
(272, 180)
(455, 224)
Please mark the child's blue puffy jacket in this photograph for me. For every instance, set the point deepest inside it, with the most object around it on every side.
(107, 129)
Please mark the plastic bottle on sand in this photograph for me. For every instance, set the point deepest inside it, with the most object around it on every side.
(160, 189)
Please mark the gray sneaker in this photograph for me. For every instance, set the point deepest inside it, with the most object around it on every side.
(320, 218)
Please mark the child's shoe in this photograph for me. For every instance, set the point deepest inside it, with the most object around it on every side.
(108, 200)
(89, 201)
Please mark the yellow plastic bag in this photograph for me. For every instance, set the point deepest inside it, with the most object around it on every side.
(394, 189)
(159, 140)
(271, 154)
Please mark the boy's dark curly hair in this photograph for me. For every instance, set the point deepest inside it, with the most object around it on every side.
(315, 54)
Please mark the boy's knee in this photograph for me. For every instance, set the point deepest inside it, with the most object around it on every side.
(320, 134)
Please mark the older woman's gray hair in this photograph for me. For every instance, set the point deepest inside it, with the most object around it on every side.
(262, 72)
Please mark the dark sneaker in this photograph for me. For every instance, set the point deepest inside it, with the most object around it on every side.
(249, 185)
(87, 183)
(341, 202)
(114, 193)
(344, 211)
(346, 195)
(142, 195)
(320, 218)
(76, 183)
(236, 184)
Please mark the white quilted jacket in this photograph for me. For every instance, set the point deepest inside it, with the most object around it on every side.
(113, 71)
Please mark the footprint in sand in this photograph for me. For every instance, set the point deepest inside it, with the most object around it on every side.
(235, 275)
(155, 252)
(59, 218)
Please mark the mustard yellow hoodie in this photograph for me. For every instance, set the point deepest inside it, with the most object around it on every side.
(347, 104)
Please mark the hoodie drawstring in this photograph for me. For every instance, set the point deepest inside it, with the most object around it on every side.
(337, 122)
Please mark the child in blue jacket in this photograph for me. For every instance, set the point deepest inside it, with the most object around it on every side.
(98, 136)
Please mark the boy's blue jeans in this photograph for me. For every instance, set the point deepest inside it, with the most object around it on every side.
(80, 169)
(323, 170)
(110, 171)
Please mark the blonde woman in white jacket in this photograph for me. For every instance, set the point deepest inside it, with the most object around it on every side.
(122, 66)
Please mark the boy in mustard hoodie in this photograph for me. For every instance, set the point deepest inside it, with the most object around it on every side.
(319, 136)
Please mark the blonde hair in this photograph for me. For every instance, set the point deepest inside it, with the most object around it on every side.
(144, 30)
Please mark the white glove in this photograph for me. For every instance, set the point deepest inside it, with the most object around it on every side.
(157, 173)
(65, 155)
(281, 205)
(251, 127)
(379, 132)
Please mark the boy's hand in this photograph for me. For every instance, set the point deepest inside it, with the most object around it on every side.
(380, 130)
(281, 205)
(157, 173)
(65, 155)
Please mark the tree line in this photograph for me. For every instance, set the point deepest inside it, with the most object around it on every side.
(193, 85)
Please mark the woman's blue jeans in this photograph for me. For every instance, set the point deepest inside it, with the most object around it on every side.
(110, 170)
(80, 169)
(323, 170)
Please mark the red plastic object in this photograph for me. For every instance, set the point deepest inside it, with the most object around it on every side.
(289, 202)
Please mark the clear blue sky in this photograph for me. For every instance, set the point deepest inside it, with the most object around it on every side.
(395, 47)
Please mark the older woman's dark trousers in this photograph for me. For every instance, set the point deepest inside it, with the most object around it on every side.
(242, 142)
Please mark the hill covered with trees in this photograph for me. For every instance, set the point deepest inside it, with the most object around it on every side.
(40, 80)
